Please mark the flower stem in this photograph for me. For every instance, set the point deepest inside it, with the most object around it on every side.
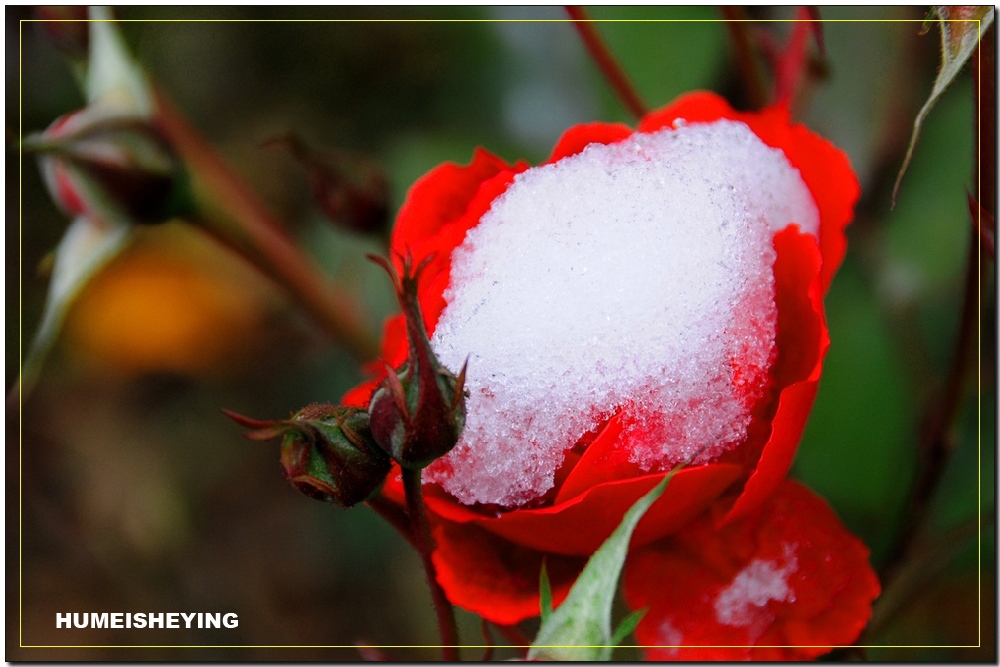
(738, 26)
(231, 212)
(425, 545)
(937, 436)
(607, 63)
(916, 573)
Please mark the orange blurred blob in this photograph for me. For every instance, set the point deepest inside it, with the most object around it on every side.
(173, 301)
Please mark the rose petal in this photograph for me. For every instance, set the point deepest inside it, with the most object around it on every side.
(578, 137)
(825, 169)
(439, 247)
(580, 525)
(495, 578)
(441, 196)
(789, 579)
(802, 341)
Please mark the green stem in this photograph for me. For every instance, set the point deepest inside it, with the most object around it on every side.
(425, 545)
(937, 432)
(231, 213)
(607, 63)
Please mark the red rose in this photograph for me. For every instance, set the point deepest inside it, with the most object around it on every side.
(788, 579)
(493, 532)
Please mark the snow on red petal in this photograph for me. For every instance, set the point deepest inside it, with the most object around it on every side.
(802, 341)
(825, 168)
(578, 137)
(692, 108)
(788, 579)
(624, 278)
(439, 246)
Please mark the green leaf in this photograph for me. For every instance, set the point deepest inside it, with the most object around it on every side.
(627, 626)
(545, 590)
(961, 29)
(580, 629)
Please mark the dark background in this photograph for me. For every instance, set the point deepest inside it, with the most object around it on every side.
(133, 493)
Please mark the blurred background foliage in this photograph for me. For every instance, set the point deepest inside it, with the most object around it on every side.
(137, 494)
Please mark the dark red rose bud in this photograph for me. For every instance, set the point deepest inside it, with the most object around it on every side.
(327, 452)
(108, 166)
(352, 192)
(67, 28)
(418, 412)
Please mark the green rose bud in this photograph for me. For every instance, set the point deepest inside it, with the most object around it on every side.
(110, 166)
(327, 452)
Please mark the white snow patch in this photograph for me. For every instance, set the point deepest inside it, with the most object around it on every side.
(669, 635)
(742, 603)
(628, 276)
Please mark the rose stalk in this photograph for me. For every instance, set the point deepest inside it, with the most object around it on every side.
(417, 416)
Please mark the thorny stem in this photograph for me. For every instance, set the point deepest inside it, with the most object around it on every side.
(746, 56)
(606, 62)
(915, 573)
(236, 217)
(425, 545)
(937, 437)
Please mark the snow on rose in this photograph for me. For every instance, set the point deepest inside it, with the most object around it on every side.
(643, 298)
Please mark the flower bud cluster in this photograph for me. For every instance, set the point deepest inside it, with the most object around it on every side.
(343, 454)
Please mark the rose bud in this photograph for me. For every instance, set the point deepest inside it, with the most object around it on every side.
(352, 193)
(327, 452)
(111, 166)
(418, 412)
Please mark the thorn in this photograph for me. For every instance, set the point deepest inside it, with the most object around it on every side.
(247, 422)
(424, 263)
(388, 268)
(261, 431)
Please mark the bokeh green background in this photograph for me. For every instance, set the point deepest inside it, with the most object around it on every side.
(134, 493)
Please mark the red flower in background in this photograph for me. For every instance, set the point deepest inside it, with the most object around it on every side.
(788, 579)
(489, 553)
